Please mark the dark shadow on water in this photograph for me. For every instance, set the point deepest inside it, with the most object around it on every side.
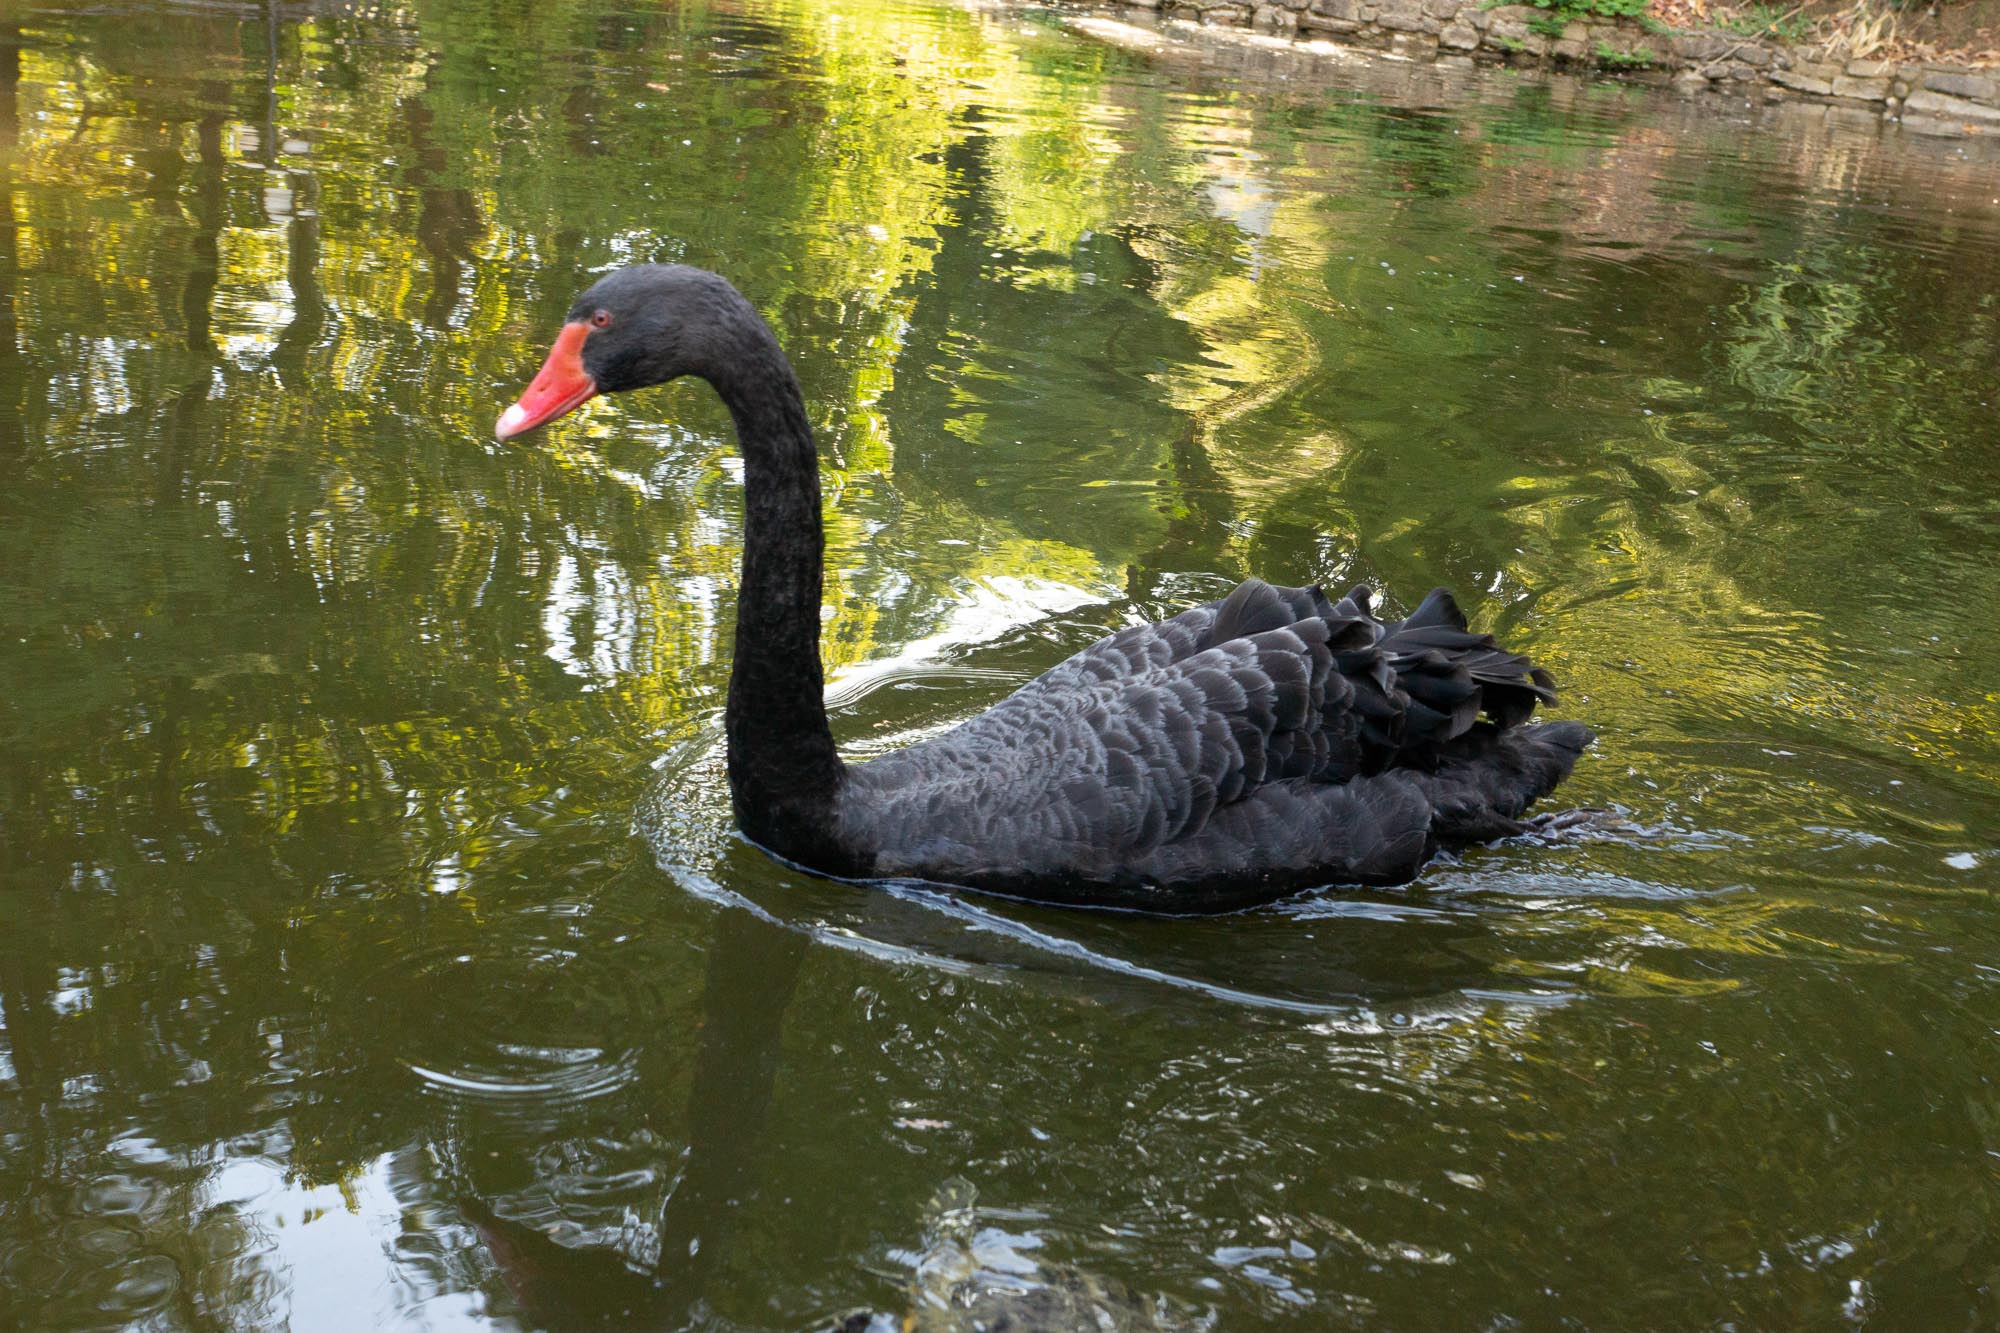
(752, 970)
(13, 374)
(449, 224)
(1363, 966)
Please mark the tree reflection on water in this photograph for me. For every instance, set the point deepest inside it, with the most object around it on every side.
(336, 984)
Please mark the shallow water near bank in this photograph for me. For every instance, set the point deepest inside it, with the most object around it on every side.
(376, 945)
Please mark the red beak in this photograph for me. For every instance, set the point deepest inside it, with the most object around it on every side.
(562, 386)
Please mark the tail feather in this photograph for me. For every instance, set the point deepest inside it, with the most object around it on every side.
(1419, 687)
(1491, 776)
(1439, 609)
(1423, 682)
(1358, 603)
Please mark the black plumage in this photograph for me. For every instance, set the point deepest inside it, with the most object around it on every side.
(1264, 743)
(1244, 749)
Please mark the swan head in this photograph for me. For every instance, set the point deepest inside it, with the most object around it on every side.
(639, 326)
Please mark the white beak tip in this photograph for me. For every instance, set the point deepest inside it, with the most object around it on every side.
(510, 423)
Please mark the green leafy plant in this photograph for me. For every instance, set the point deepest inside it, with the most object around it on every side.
(1762, 20)
(1613, 58)
(1603, 9)
(1548, 25)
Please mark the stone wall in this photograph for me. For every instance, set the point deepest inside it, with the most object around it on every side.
(1949, 98)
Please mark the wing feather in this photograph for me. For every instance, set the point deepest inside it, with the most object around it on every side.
(1140, 743)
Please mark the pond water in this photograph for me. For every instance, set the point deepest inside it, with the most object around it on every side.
(374, 947)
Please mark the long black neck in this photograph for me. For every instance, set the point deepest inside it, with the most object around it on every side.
(783, 770)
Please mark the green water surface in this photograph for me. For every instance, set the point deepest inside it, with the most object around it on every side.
(374, 945)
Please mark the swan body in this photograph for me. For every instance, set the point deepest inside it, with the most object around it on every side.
(1245, 749)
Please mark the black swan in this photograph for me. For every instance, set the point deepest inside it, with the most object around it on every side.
(1268, 742)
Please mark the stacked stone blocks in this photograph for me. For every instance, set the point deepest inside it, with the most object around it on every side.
(1955, 98)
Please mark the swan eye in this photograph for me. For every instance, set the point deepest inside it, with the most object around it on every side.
(601, 320)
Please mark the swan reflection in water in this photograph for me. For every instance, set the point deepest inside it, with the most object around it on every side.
(966, 1270)
(1350, 980)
